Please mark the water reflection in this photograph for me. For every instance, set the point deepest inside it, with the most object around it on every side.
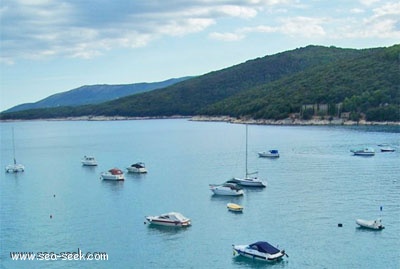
(244, 262)
(165, 230)
(113, 185)
(226, 198)
(135, 175)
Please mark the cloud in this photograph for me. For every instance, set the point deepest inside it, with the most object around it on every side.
(382, 23)
(39, 28)
(226, 36)
(303, 26)
(241, 33)
(36, 29)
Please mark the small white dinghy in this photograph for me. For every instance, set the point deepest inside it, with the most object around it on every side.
(370, 224)
(234, 207)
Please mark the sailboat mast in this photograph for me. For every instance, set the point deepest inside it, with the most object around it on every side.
(13, 141)
(246, 150)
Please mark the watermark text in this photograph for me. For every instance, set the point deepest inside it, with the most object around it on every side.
(63, 256)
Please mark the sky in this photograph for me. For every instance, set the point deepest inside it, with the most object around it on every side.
(52, 46)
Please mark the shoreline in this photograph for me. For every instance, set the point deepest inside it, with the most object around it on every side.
(227, 119)
(293, 122)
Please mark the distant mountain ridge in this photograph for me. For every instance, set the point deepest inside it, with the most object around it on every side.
(95, 94)
(312, 81)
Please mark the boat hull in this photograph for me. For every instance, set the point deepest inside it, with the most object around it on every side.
(85, 163)
(136, 170)
(227, 191)
(248, 182)
(370, 224)
(364, 153)
(113, 177)
(387, 149)
(168, 223)
(16, 168)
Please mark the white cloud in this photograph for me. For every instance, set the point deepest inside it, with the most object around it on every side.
(384, 23)
(368, 2)
(303, 26)
(356, 10)
(70, 28)
(237, 11)
(226, 36)
(389, 9)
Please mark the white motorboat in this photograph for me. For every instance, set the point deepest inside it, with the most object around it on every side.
(137, 168)
(15, 167)
(386, 148)
(234, 207)
(230, 189)
(364, 151)
(259, 251)
(370, 224)
(273, 153)
(248, 180)
(114, 174)
(169, 219)
(89, 161)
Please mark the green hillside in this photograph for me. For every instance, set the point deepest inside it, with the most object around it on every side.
(301, 81)
(368, 84)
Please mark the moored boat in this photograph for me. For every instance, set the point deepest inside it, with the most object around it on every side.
(89, 161)
(234, 207)
(273, 153)
(386, 148)
(139, 168)
(248, 182)
(15, 167)
(364, 151)
(370, 224)
(260, 250)
(230, 189)
(113, 174)
(169, 219)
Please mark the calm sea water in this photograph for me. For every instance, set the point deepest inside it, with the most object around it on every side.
(315, 185)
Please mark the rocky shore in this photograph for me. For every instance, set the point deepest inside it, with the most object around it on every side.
(291, 121)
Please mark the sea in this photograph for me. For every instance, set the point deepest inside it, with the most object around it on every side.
(63, 215)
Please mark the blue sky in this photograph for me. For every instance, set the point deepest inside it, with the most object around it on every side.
(50, 46)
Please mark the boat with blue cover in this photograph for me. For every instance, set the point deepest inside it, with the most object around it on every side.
(260, 250)
(273, 153)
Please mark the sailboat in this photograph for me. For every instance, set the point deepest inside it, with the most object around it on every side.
(248, 180)
(14, 168)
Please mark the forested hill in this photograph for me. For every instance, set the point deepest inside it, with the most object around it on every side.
(314, 80)
(94, 94)
(366, 84)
